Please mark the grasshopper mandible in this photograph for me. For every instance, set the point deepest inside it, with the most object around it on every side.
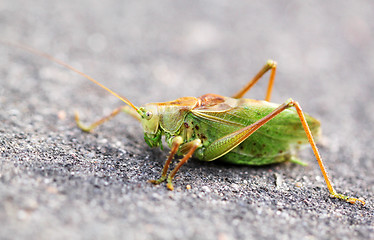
(232, 129)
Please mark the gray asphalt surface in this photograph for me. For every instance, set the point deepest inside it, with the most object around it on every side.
(59, 183)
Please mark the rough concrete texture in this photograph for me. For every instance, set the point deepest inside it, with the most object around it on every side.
(59, 183)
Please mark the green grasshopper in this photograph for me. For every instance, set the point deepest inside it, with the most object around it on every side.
(233, 129)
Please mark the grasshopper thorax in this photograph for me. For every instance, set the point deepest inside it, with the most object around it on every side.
(165, 117)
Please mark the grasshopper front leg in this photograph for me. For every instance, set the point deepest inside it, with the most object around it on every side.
(176, 142)
(125, 109)
(189, 148)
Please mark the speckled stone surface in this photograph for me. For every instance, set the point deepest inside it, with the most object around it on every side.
(59, 183)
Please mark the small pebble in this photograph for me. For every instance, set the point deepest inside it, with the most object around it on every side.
(235, 187)
(61, 115)
(206, 189)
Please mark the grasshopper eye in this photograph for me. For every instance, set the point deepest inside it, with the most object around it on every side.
(148, 115)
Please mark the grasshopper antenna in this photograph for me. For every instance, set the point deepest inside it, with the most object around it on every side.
(49, 57)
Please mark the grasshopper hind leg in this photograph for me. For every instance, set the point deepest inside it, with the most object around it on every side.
(225, 144)
(291, 103)
(270, 65)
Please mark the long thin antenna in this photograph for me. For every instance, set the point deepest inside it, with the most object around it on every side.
(45, 55)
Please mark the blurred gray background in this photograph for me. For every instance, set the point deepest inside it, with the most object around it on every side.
(59, 183)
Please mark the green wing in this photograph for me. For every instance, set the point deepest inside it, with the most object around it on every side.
(274, 138)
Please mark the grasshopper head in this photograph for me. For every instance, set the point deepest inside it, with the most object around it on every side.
(150, 120)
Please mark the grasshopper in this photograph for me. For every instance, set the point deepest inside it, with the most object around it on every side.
(212, 127)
